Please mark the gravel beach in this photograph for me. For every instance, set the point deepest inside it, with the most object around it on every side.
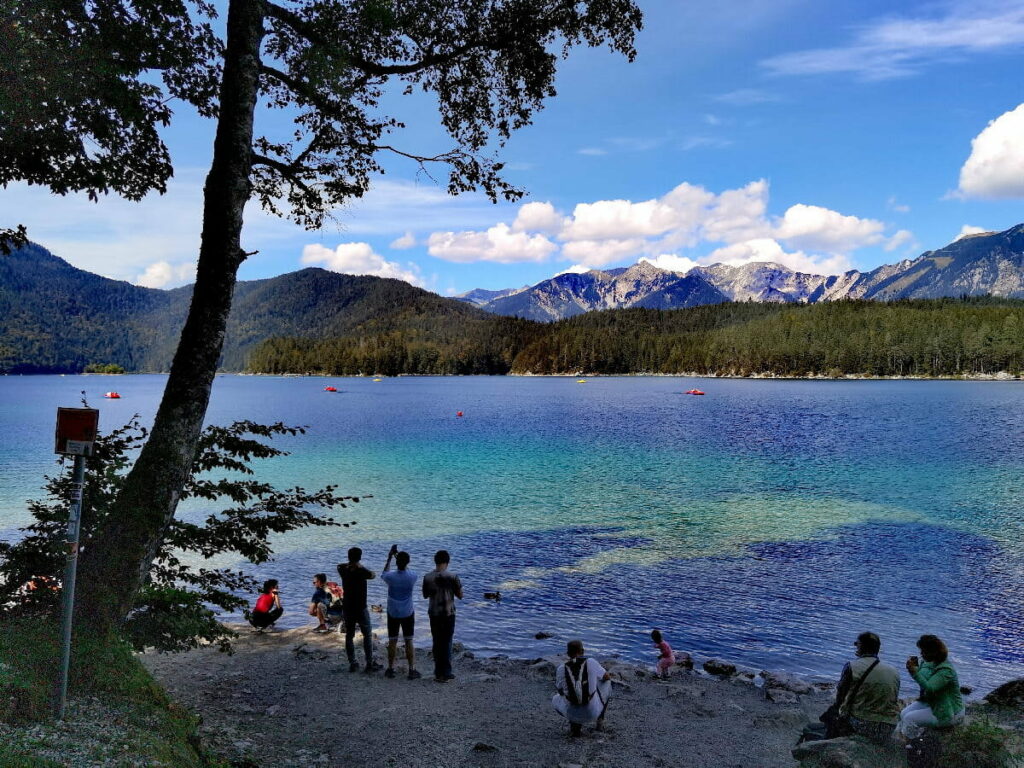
(286, 698)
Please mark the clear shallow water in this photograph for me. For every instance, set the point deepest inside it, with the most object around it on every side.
(768, 522)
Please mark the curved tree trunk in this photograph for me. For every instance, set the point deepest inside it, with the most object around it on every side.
(117, 561)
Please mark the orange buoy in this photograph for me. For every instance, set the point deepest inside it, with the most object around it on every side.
(330, 389)
(112, 395)
(459, 414)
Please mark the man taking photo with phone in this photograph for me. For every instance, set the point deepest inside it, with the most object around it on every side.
(401, 611)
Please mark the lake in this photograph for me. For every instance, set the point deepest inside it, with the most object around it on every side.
(767, 523)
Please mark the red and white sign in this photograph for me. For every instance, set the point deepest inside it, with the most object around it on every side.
(76, 430)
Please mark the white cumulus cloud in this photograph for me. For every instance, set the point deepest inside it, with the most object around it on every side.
(822, 229)
(537, 217)
(359, 259)
(995, 168)
(903, 237)
(403, 243)
(618, 219)
(599, 253)
(499, 244)
(671, 262)
(163, 274)
(966, 230)
(766, 249)
(575, 269)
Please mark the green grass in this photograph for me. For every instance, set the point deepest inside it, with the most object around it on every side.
(110, 692)
(981, 744)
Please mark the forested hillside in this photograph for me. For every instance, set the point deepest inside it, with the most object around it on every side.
(942, 337)
(55, 318)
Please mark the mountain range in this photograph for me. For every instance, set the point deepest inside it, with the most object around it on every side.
(980, 264)
(56, 318)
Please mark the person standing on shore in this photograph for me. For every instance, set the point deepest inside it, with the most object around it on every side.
(268, 608)
(401, 611)
(665, 656)
(441, 587)
(354, 576)
(583, 688)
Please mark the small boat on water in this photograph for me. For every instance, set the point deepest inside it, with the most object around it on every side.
(330, 389)
(378, 379)
(693, 392)
(112, 395)
(581, 381)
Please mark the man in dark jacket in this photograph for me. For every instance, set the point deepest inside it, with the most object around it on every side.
(441, 587)
(354, 576)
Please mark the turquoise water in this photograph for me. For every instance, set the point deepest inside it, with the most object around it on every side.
(768, 522)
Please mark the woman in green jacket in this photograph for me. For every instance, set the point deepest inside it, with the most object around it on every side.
(940, 704)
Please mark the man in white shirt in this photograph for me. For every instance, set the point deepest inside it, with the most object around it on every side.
(583, 689)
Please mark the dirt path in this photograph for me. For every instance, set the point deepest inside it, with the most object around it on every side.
(288, 699)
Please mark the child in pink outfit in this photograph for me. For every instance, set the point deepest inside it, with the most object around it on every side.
(665, 657)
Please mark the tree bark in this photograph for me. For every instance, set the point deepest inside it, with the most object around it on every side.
(117, 561)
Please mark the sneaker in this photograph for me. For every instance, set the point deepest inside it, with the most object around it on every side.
(449, 677)
(321, 630)
(372, 667)
(414, 675)
(389, 673)
(353, 666)
(440, 679)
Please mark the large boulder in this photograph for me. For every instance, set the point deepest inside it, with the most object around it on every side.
(683, 659)
(1009, 694)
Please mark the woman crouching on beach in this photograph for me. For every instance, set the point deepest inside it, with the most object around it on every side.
(583, 689)
(268, 607)
(940, 704)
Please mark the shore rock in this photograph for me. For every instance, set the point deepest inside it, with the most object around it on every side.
(850, 752)
(683, 659)
(719, 667)
(786, 682)
(1009, 694)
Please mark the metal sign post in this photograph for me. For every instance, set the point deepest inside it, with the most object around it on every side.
(76, 432)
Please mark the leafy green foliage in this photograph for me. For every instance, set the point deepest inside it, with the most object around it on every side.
(77, 113)
(175, 609)
(490, 63)
(108, 368)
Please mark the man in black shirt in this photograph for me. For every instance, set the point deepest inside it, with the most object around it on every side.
(354, 576)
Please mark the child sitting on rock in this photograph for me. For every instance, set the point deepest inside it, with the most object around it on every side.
(665, 655)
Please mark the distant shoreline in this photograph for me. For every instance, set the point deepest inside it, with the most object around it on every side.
(1001, 376)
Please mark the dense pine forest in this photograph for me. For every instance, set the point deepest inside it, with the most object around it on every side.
(940, 337)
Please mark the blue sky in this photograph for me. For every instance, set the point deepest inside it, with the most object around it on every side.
(822, 135)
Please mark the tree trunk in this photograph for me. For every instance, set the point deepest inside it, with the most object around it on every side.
(117, 561)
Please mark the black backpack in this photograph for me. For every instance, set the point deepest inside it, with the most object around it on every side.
(577, 682)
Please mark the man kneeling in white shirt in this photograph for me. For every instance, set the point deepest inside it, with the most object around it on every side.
(584, 688)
